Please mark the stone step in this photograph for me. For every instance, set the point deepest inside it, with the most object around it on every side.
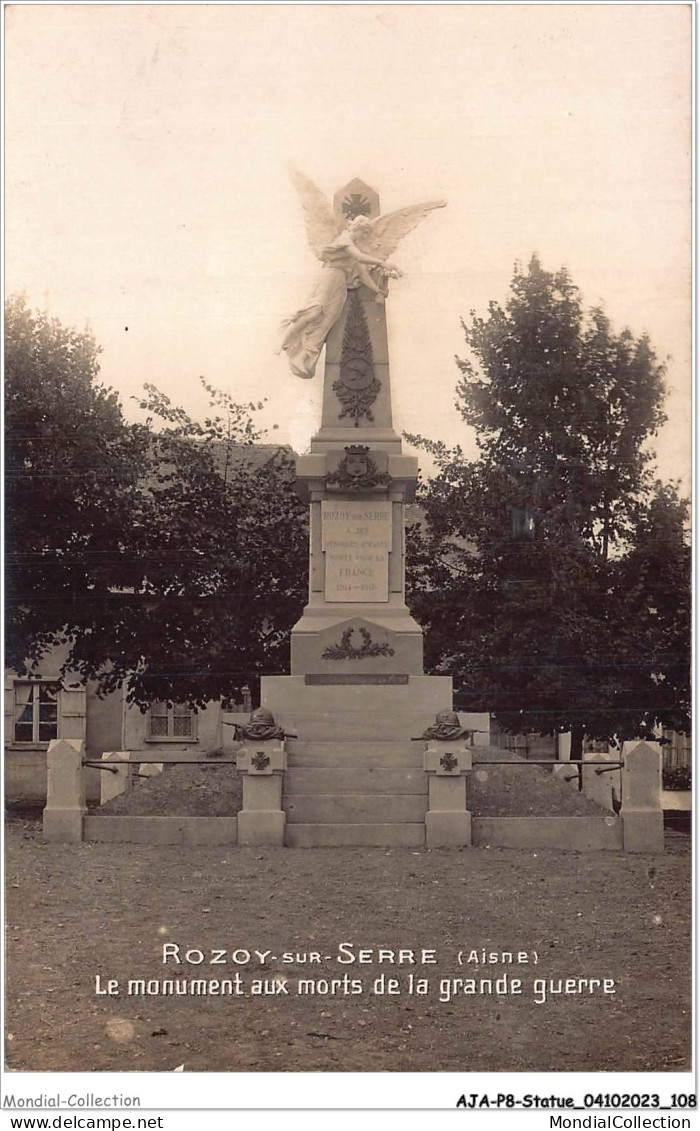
(353, 808)
(354, 745)
(356, 752)
(369, 726)
(290, 695)
(366, 779)
(359, 835)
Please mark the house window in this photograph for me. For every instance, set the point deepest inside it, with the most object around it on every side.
(168, 722)
(35, 712)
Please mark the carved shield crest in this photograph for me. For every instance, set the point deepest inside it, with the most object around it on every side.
(355, 461)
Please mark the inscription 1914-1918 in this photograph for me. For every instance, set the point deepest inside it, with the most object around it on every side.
(356, 540)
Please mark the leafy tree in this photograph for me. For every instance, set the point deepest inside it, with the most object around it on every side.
(72, 469)
(218, 560)
(535, 573)
(170, 556)
(652, 600)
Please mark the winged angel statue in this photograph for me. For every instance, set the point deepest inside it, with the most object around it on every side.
(352, 255)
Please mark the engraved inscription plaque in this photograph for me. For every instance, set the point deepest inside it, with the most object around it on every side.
(356, 539)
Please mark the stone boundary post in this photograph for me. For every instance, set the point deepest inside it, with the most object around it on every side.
(65, 791)
(261, 821)
(643, 818)
(117, 781)
(603, 787)
(448, 823)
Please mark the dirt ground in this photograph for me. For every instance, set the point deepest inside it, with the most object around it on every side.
(77, 912)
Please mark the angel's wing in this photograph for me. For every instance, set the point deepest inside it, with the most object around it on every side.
(389, 230)
(321, 225)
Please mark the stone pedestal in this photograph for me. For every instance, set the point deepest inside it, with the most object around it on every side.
(448, 823)
(261, 821)
(65, 791)
(383, 707)
(357, 610)
(451, 829)
(642, 815)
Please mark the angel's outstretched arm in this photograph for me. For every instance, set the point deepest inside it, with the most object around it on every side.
(361, 257)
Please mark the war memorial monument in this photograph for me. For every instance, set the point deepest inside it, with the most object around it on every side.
(357, 696)
(357, 746)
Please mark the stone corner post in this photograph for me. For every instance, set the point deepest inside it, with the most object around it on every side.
(642, 815)
(65, 791)
(261, 821)
(448, 823)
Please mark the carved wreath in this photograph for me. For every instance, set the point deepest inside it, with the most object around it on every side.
(356, 402)
(346, 651)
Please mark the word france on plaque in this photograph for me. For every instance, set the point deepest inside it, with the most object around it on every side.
(356, 539)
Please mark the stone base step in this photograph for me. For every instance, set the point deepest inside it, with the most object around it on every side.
(367, 779)
(341, 809)
(290, 695)
(357, 752)
(368, 726)
(351, 835)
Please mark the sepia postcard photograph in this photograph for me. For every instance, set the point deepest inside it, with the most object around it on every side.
(347, 402)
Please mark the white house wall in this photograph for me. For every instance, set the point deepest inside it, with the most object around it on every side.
(81, 714)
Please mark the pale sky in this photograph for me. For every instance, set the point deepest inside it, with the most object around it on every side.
(146, 183)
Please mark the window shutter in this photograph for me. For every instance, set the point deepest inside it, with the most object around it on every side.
(72, 702)
(9, 708)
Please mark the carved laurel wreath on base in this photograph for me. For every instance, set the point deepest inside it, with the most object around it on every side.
(346, 651)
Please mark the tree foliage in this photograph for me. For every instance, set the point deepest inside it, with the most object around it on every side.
(552, 574)
(169, 556)
(72, 470)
